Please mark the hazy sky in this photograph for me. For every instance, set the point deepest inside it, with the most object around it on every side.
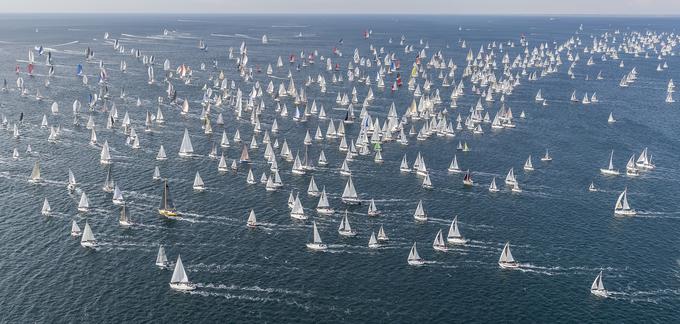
(551, 7)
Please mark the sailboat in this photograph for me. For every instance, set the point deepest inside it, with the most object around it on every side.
(404, 165)
(252, 220)
(109, 184)
(631, 168)
(162, 260)
(179, 280)
(186, 149)
(198, 182)
(427, 183)
(454, 236)
(528, 166)
(453, 167)
(382, 237)
(117, 196)
(245, 158)
(592, 187)
(84, 204)
(323, 207)
(88, 240)
(645, 161)
(546, 157)
(345, 229)
(492, 186)
(439, 244)
(105, 156)
(610, 169)
(316, 243)
(75, 229)
(46, 210)
(611, 119)
(506, 261)
(167, 207)
(297, 212)
(161, 156)
(349, 195)
(467, 179)
(622, 207)
(35, 173)
(124, 219)
(419, 214)
(413, 258)
(71, 181)
(156, 173)
(597, 288)
(373, 242)
(372, 209)
(312, 189)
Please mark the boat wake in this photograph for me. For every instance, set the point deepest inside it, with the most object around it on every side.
(253, 289)
(651, 296)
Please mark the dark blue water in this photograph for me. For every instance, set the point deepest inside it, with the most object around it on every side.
(562, 234)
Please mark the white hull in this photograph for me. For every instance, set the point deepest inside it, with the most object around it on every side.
(630, 212)
(298, 216)
(125, 223)
(351, 201)
(440, 248)
(347, 233)
(180, 286)
(420, 218)
(199, 188)
(373, 214)
(75, 234)
(418, 262)
(87, 244)
(83, 209)
(373, 246)
(317, 246)
(118, 202)
(325, 210)
(599, 293)
(508, 265)
(609, 172)
(457, 240)
(162, 265)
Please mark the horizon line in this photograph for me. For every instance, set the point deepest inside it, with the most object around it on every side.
(547, 15)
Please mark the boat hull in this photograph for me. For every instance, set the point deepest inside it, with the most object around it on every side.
(181, 286)
(508, 265)
(317, 246)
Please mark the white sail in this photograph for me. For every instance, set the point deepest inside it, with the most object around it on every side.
(198, 182)
(413, 256)
(180, 280)
(622, 207)
(186, 149)
(161, 258)
(75, 229)
(84, 203)
(252, 220)
(117, 196)
(349, 195)
(419, 214)
(506, 259)
(88, 240)
(105, 156)
(46, 209)
(35, 173)
(161, 154)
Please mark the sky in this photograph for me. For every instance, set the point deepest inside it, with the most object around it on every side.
(452, 7)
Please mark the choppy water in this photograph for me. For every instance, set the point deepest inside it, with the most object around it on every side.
(562, 234)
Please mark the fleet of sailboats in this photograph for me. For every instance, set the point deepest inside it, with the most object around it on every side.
(361, 133)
